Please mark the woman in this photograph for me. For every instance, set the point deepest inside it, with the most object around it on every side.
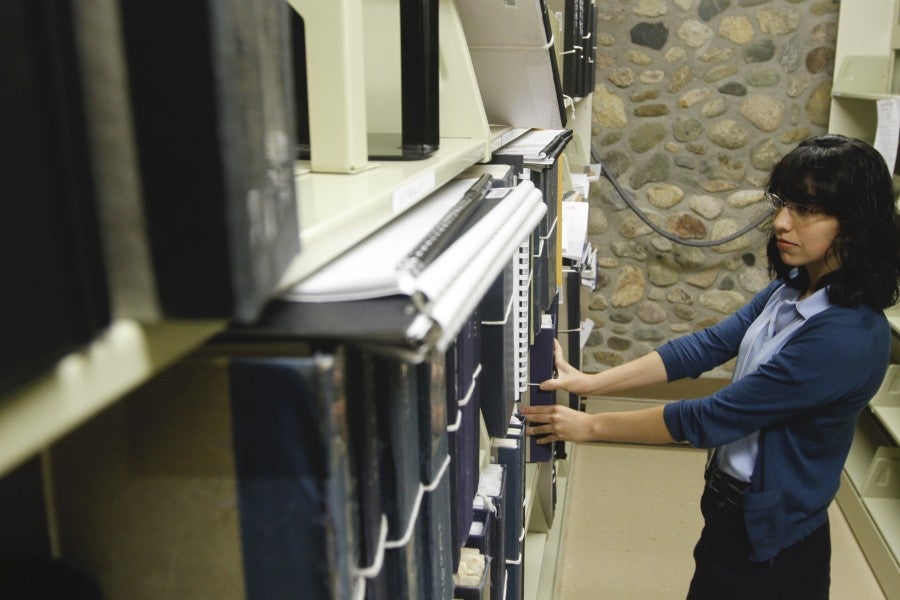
(812, 349)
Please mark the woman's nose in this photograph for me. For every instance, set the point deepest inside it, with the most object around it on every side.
(782, 218)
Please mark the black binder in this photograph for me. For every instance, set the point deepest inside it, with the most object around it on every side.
(420, 77)
(51, 254)
(572, 48)
(589, 76)
(211, 91)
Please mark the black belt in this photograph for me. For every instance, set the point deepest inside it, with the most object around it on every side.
(724, 485)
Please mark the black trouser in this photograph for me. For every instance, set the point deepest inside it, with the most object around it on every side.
(723, 571)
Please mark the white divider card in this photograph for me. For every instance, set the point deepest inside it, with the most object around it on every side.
(574, 228)
(887, 134)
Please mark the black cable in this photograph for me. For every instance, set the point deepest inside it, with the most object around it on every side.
(670, 236)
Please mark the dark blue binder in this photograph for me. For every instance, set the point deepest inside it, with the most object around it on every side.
(541, 368)
(295, 496)
(397, 401)
(437, 547)
(511, 454)
(498, 354)
(363, 417)
(464, 418)
(573, 326)
(492, 499)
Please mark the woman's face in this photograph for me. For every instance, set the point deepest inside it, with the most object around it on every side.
(806, 239)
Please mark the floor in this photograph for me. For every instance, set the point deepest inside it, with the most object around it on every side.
(632, 519)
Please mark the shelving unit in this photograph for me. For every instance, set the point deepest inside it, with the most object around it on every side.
(343, 197)
(864, 66)
(866, 70)
(869, 494)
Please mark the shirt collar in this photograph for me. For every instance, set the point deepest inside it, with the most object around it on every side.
(816, 303)
(808, 307)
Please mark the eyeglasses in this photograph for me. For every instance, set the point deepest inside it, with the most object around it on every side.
(799, 211)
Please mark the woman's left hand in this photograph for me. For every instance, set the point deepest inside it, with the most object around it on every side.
(556, 422)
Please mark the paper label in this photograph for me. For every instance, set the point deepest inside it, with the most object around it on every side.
(413, 191)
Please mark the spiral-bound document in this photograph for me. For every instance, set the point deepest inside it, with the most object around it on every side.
(365, 294)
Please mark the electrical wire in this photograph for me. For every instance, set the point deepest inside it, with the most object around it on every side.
(672, 237)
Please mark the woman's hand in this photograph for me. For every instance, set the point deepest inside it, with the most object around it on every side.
(558, 423)
(567, 377)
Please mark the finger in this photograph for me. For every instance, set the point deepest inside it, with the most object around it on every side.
(539, 418)
(540, 430)
(537, 409)
(549, 385)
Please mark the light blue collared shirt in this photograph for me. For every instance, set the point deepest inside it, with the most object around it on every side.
(783, 315)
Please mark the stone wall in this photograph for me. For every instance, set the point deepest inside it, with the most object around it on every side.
(695, 102)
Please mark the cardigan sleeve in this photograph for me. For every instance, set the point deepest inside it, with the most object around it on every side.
(694, 354)
(833, 364)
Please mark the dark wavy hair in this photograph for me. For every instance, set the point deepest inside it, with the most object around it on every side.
(848, 179)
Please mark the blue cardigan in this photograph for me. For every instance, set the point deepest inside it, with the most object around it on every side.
(805, 402)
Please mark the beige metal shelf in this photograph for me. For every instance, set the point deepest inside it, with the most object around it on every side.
(337, 210)
(861, 95)
(84, 383)
(886, 403)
